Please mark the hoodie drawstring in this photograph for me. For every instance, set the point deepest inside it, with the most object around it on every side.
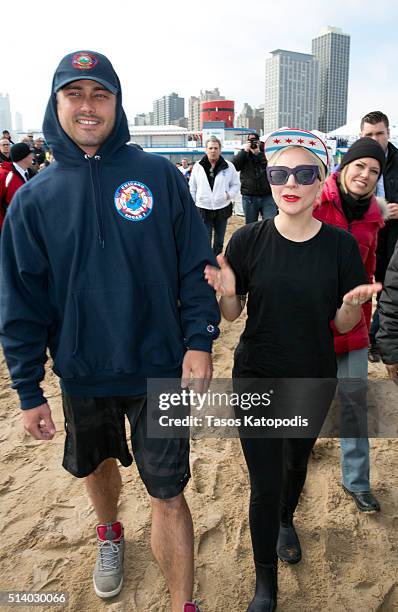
(97, 200)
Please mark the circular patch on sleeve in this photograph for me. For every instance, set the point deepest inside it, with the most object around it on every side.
(134, 201)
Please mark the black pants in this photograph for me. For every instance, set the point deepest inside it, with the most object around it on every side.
(277, 470)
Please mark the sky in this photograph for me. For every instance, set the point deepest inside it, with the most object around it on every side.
(158, 47)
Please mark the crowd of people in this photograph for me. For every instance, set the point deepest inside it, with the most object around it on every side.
(19, 162)
(70, 243)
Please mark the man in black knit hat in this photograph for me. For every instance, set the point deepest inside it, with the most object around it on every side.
(13, 175)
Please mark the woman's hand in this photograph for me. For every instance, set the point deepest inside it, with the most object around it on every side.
(349, 314)
(221, 279)
(361, 294)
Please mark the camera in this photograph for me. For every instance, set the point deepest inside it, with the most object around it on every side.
(253, 143)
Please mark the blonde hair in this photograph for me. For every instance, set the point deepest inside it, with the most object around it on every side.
(344, 187)
(322, 170)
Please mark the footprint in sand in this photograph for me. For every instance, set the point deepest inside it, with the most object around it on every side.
(211, 542)
(206, 477)
(340, 546)
(210, 555)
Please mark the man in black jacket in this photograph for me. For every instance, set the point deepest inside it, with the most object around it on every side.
(387, 337)
(255, 188)
(376, 125)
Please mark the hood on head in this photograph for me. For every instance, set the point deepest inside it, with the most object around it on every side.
(78, 66)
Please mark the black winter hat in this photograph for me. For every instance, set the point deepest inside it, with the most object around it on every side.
(19, 151)
(86, 65)
(365, 147)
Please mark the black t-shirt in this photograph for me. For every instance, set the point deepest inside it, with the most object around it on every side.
(294, 290)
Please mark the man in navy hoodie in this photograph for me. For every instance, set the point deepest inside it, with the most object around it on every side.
(102, 264)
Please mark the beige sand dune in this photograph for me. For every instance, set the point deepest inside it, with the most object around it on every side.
(350, 560)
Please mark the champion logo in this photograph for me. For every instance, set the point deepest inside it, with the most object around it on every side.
(133, 201)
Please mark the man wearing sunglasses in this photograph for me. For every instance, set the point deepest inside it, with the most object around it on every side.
(255, 189)
(5, 150)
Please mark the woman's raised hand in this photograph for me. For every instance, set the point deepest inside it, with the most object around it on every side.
(222, 279)
(361, 294)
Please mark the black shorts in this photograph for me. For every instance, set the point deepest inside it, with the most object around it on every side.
(96, 430)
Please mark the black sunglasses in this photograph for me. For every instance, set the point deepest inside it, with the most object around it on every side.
(304, 175)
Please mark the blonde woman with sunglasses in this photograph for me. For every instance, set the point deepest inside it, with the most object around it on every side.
(297, 274)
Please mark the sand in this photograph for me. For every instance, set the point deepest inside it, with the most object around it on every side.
(350, 560)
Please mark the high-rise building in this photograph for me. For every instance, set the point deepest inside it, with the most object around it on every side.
(5, 113)
(168, 110)
(194, 114)
(143, 119)
(251, 118)
(18, 122)
(206, 95)
(291, 90)
(332, 50)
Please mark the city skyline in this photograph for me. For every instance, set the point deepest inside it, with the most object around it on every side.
(179, 48)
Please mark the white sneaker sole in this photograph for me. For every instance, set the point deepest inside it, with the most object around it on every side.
(108, 594)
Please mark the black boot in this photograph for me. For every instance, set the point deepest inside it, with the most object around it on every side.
(266, 589)
(288, 546)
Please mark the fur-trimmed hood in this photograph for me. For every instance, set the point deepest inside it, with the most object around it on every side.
(382, 204)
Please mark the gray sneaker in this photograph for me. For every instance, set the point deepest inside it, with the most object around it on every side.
(108, 571)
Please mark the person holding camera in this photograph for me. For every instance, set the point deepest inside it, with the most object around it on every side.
(255, 188)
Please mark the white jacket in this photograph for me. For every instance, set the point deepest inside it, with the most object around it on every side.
(226, 181)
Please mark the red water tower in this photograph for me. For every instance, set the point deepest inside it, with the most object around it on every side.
(218, 110)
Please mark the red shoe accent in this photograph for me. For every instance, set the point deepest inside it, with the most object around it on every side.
(110, 531)
(189, 607)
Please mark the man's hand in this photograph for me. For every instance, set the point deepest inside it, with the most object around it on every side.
(392, 209)
(248, 148)
(38, 422)
(199, 364)
(392, 371)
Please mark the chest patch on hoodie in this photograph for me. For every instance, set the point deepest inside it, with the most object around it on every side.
(133, 201)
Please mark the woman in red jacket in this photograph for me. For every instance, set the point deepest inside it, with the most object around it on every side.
(348, 202)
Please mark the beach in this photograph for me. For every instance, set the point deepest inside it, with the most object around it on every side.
(350, 559)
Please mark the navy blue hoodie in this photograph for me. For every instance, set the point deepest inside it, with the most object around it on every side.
(102, 262)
